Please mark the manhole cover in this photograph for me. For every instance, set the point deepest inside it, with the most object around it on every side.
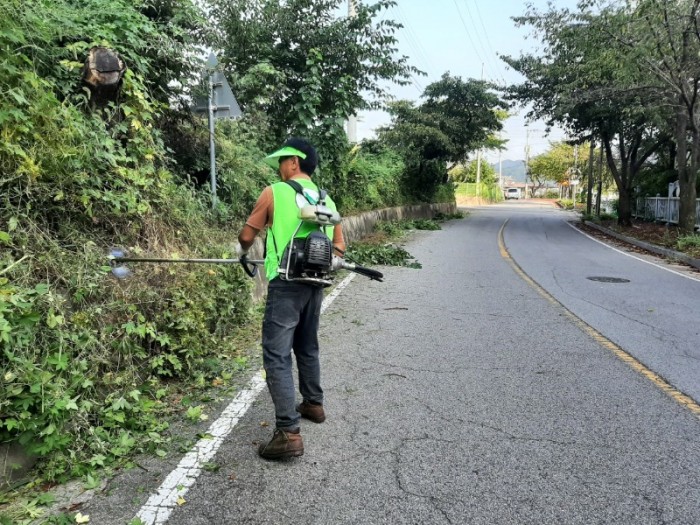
(608, 279)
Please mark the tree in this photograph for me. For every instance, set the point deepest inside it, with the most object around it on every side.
(559, 164)
(554, 165)
(424, 148)
(668, 33)
(320, 68)
(589, 82)
(456, 118)
(467, 112)
(462, 173)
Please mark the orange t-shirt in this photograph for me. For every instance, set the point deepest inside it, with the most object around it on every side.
(264, 211)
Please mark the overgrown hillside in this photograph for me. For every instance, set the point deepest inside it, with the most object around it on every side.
(86, 358)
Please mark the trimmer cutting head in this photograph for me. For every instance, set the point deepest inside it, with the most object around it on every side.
(120, 271)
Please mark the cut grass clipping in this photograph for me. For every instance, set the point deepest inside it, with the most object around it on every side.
(378, 248)
(368, 254)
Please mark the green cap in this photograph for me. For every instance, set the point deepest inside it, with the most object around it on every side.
(273, 159)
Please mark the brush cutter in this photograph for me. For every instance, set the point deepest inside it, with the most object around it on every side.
(118, 256)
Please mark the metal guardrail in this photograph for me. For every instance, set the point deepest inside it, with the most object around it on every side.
(662, 209)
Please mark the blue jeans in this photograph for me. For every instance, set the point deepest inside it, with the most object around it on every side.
(291, 321)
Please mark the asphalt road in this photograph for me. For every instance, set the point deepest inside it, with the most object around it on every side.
(461, 394)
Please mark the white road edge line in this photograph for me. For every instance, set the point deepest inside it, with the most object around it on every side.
(160, 504)
(630, 255)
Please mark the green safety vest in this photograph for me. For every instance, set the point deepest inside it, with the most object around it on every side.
(285, 222)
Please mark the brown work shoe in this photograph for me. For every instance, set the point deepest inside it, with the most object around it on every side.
(282, 445)
(311, 411)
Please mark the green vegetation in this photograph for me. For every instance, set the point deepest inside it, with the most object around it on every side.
(602, 70)
(488, 191)
(689, 244)
(603, 217)
(567, 204)
(372, 254)
(444, 217)
(397, 228)
(93, 368)
(468, 173)
(371, 180)
(325, 68)
(456, 118)
(381, 247)
(86, 360)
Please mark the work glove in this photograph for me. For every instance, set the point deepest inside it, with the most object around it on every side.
(240, 251)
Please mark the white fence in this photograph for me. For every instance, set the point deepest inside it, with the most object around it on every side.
(662, 209)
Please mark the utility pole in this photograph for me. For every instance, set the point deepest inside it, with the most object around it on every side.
(352, 119)
(572, 183)
(600, 181)
(478, 172)
(212, 145)
(478, 153)
(589, 196)
(527, 158)
(500, 170)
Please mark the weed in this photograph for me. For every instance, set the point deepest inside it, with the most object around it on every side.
(442, 217)
(195, 414)
(687, 241)
(28, 507)
(690, 244)
(211, 466)
(375, 250)
(603, 217)
(63, 519)
(567, 204)
(395, 229)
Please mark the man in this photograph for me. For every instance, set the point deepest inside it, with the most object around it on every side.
(293, 308)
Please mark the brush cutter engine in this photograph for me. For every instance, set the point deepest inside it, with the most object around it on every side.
(308, 260)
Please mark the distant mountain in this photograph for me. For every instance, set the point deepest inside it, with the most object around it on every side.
(512, 169)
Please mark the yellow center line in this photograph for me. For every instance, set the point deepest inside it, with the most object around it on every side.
(635, 364)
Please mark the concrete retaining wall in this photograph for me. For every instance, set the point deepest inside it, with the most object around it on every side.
(358, 226)
(14, 464)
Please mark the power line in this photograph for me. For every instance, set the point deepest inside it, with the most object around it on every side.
(488, 40)
(413, 40)
(464, 24)
(481, 44)
(489, 62)
(415, 46)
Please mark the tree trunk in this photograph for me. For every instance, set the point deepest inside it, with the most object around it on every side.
(687, 180)
(622, 178)
(589, 195)
(599, 195)
(625, 208)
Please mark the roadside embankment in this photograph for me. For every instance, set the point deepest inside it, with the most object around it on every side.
(15, 463)
(659, 250)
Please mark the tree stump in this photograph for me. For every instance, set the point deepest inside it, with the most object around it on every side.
(103, 72)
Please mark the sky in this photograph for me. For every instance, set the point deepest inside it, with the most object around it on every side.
(465, 38)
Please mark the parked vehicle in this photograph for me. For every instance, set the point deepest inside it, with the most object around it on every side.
(512, 193)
